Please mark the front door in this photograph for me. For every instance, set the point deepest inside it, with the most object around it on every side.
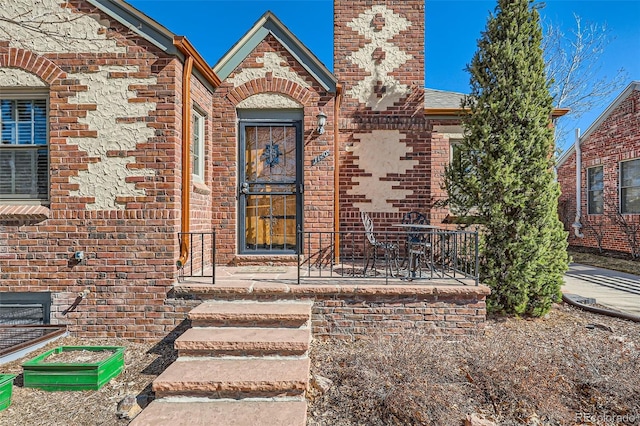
(270, 186)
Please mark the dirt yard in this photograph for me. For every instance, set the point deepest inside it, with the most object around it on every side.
(546, 371)
(30, 407)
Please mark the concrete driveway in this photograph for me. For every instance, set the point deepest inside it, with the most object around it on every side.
(616, 290)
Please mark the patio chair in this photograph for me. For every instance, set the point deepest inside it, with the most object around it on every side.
(417, 245)
(371, 249)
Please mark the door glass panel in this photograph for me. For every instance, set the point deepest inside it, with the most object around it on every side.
(270, 222)
(270, 153)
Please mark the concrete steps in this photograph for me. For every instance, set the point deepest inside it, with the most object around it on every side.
(242, 363)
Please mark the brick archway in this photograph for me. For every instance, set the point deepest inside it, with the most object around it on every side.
(36, 64)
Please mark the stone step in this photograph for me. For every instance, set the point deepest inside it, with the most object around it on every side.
(223, 413)
(243, 341)
(234, 378)
(251, 314)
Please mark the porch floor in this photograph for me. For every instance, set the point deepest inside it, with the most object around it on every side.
(283, 280)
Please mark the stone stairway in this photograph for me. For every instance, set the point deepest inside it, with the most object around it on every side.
(241, 363)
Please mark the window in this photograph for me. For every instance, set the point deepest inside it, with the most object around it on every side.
(197, 147)
(595, 187)
(630, 186)
(24, 151)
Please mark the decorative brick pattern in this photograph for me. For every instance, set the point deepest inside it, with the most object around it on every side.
(616, 139)
(130, 251)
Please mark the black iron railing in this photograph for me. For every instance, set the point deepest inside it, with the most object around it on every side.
(202, 255)
(405, 255)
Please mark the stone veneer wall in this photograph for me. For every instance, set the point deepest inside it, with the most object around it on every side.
(349, 311)
(616, 139)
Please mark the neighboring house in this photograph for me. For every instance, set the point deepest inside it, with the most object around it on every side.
(606, 210)
(118, 136)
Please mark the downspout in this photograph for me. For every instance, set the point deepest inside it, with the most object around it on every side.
(192, 59)
(336, 171)
(186, 163)
(577, 226)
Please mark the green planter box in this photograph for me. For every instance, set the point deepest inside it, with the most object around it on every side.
(68, 376)
(6, 388)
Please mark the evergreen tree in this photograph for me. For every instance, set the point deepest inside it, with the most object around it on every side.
(501, 174)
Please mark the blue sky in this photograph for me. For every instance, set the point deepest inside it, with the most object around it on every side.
(452, 29)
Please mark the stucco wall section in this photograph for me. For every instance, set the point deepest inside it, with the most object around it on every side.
(380, 154)
(273, 64)
(268, 101)
(13, 77)
(379, 67)
(106, 179)
(49, 28)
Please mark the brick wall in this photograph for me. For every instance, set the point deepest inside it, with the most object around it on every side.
(379, 58)
(616, 139)
(130, 249)
(312, 98)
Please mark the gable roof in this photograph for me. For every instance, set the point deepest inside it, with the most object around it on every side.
(156, 34)
(634, 85)
(270, 24)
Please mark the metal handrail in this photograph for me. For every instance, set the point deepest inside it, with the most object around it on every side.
(202, 256)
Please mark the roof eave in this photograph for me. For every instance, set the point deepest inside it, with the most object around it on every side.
(138, 22)
(187, 49)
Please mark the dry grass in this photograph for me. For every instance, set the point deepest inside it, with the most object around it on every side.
(521, 372)
(608, 260)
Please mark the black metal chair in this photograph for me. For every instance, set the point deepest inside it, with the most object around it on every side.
(417, 244)
(371, 250)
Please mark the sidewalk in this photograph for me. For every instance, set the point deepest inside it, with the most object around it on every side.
(615, 290)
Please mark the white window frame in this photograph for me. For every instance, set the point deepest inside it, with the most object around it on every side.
(197, 146)
(29, 93)
(590, 190)
(621, 188)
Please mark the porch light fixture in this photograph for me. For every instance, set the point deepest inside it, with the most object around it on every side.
(322, 120)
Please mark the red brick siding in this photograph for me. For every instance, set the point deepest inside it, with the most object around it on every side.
(130, 253)
(616, 139)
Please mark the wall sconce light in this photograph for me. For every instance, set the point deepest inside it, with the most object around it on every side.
(322, 120)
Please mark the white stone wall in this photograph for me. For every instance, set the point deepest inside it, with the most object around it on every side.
(105, 180)
(272, 63)
(268, 101)
(379, 70)
(42, 26)
(16, 78)
(379, 153)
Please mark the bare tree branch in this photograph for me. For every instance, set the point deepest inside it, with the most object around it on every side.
(574, 65)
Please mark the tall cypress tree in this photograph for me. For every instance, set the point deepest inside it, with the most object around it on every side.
(502, 171)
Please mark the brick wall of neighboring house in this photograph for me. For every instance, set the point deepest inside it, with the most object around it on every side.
(114, 134)
(616, 139)
(270, 70)
(379, 57)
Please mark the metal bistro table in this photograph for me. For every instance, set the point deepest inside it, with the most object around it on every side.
(416, 247)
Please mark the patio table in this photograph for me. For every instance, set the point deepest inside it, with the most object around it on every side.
(417, 248)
